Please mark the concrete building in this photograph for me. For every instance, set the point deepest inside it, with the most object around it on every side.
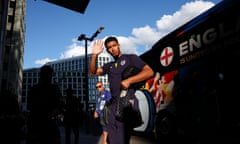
(12, 39)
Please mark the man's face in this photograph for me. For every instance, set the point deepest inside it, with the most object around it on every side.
(113, 48)
(99, 87)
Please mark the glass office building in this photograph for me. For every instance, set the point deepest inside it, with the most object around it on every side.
(68, 73)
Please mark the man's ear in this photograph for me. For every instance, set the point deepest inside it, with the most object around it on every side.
(107, 51)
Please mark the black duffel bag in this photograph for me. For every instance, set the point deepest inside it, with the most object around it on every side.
(105, 115)
(125, 111)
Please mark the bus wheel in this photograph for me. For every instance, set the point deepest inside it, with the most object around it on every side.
(165, 127)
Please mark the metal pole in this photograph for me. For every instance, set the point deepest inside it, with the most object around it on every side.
(83, 37)
(86, 76)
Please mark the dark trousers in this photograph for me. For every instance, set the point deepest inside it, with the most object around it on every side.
(68, 132)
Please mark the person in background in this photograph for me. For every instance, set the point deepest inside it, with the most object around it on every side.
(72, 117)
(11, 119)
(103, 98)
(118, 132)
(44, 101)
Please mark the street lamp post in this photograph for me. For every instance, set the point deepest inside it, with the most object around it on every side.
(86, 39)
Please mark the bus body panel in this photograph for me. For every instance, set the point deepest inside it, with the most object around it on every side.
(195, 67)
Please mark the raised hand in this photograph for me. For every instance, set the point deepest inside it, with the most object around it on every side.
(97, 47)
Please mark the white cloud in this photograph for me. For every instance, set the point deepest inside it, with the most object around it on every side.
(144, 37)
(127, 44)
(188, 11)
(73, 50)
(44, 61)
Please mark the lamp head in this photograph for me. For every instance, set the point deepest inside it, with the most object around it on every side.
(100, 29)
(81, 37)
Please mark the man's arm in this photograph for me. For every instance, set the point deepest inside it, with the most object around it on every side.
(96, 50)
(144, 74)
(93, 65)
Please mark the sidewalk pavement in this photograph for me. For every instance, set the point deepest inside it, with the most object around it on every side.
(84, 137)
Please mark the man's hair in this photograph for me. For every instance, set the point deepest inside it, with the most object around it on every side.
(46, 74)
(109, 39)
(46, 69)
(99, 82)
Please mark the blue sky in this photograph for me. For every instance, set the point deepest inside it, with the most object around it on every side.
(52, 31)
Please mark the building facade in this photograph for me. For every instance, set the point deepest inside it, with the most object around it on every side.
(12, 39)
(68, 73)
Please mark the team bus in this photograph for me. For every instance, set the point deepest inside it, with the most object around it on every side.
(193, 97)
